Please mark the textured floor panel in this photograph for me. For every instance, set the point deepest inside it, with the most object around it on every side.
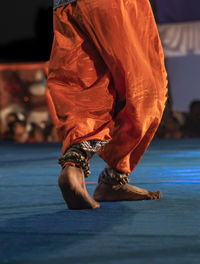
(36, 226)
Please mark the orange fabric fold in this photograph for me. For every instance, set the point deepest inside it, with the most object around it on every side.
(104, 51)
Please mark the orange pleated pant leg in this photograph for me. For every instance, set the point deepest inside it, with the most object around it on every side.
(104, 50)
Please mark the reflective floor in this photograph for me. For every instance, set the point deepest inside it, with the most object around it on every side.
(37, 227)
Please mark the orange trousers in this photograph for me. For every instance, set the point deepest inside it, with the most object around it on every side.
(104, 52)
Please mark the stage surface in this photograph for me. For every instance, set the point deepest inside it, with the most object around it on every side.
(37, 227)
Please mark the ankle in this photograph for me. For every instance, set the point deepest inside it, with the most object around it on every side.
(75, 158)
(113, 177)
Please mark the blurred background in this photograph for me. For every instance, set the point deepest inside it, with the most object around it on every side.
(25, 45)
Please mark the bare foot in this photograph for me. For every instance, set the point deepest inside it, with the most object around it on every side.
(72, 184)
(107, 193)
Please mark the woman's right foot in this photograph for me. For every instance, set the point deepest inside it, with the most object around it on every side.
(72, 184)
(109, 193)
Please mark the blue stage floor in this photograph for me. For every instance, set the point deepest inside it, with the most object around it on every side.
(36, 226)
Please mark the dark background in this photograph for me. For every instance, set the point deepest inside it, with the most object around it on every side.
(173, 11)
(27, 30)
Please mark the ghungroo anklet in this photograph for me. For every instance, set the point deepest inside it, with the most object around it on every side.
(90, 147)
(75, 159)
(111, 176)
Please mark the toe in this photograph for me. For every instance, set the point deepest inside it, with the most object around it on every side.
(159, 194)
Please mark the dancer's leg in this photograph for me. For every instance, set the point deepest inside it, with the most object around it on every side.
(72, 178)
(80, 98)
(80, 90)
(126, 36)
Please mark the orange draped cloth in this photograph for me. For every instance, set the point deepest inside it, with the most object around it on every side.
(105, 52)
